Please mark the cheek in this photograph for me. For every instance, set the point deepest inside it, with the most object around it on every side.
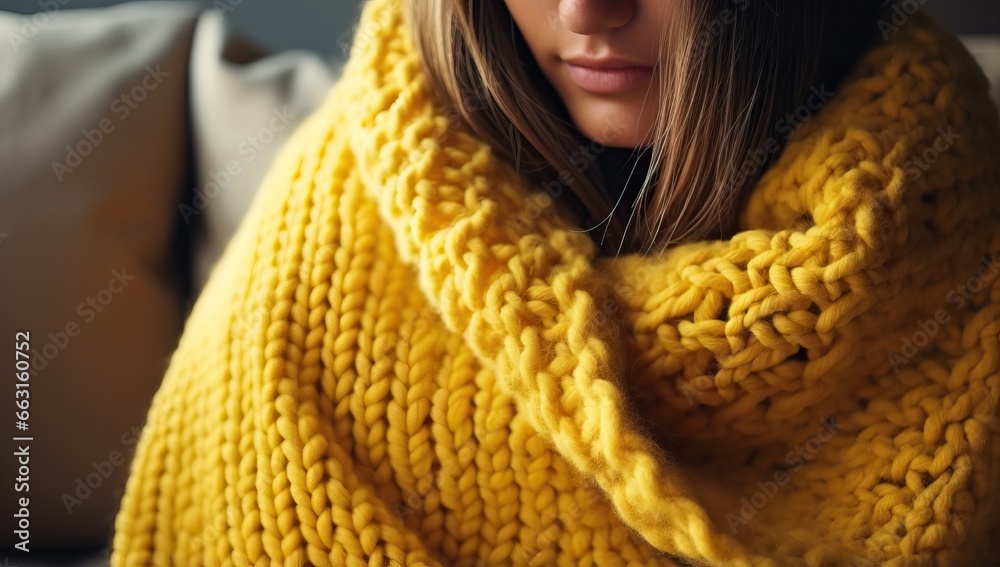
(536, 20)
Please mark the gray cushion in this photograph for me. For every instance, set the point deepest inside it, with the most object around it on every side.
(117, 207)
(93, 155)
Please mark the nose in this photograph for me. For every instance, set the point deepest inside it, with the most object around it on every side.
(588, 17)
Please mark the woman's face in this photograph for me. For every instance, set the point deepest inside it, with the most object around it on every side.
(600, 55)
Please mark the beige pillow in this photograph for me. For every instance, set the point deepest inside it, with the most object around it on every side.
(244, 105)
(986, 50)
(93, 160)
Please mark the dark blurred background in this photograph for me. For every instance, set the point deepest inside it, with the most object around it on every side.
(323, 25)
(318, 25)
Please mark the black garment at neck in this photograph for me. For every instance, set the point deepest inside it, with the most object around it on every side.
(624, 171)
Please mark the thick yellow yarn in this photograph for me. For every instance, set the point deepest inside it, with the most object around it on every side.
(388, 367)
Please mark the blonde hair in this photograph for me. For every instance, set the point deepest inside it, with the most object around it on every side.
(730, 70)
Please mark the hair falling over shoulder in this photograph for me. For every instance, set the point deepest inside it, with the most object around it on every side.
(731, 70)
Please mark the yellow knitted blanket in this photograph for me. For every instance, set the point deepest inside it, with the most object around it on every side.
(407, 356)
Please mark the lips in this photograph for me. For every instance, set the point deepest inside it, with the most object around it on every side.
(608, 75)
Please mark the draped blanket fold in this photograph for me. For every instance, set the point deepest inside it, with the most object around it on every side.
(408, 356)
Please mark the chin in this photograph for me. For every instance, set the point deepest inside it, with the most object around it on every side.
(613, 131)
(612, 124)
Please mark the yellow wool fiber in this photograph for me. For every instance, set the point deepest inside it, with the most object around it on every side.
(391, 366)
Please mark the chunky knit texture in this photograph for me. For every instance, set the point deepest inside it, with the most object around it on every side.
(407, 356)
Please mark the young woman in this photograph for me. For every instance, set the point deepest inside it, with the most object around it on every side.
(602, 282)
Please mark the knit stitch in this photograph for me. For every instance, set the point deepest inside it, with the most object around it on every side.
(386, 369)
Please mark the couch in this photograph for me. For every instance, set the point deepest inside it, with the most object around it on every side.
(132, 139)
